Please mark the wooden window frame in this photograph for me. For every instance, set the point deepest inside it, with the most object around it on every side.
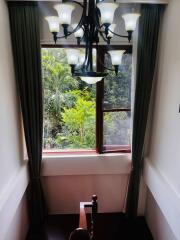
(101, 50)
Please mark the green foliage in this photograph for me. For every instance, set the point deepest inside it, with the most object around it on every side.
(117, 89)
(69, 104)
(69, 108)
(80, 122)
(117, 128)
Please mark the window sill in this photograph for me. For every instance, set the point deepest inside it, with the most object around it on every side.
(89, 164)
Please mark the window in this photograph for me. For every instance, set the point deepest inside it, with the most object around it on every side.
(82, 117)
(116, 106)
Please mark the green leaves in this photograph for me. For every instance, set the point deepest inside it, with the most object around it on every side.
(80, 121)
(69, 104)
(69, 107)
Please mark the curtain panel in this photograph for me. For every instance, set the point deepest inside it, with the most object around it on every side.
(24, 23)
(149, 25)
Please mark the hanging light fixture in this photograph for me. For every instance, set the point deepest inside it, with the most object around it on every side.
(79, 33)
(64, 11)
(107, 11)
(72, 57)
(116, 58)
(96, 20)
(54, 26)
(110, 32)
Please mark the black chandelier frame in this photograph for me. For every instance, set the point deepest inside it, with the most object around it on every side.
(90, 23)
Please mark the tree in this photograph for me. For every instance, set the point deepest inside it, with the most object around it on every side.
(80, 122)
(62, 92)
(117, 94)
(117, 89)
(69, 104)
(57, 80)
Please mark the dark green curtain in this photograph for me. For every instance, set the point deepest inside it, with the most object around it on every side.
(24, 23)
(149, 24)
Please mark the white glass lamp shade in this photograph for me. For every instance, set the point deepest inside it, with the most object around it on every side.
(72, 56)
(91, 80)
(53, 23)
(130, 20)
(116, 56)
(111, 28)
(79, 33)
(64, 11)
(107, 11)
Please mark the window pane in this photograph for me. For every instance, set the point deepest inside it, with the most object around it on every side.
(117, 131)
(69, 105)
(117, 89)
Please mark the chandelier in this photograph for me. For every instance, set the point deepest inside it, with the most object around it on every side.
(96, 21)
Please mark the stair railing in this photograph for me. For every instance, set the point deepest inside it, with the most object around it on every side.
(82, 233)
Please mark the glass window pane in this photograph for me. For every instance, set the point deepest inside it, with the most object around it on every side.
(117, 130)
(69, 105)
(117, 89)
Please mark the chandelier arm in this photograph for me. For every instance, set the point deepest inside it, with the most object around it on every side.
(80, 24)
(96, 19)
(90, 35)
(102, 35)
(102, 64)
(116, 34)
(98, 26)
(72, 1)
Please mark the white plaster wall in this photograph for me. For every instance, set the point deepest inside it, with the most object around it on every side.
(19, 225)
(64, 193)
(69, 179)
(159, 226)
(10, 128)
(13, 174)
(165, 151)
(163, 161)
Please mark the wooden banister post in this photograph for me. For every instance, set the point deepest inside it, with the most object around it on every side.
(94, 204)
(94, 213)
(82, 233)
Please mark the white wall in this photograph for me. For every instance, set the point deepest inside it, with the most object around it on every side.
(163, 161)
(159, 227)
(64, 193)
(13, 173)
(17, 229)
(68, 180)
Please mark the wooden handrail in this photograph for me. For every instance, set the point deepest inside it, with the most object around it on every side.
(82, 217)
(82, 233)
